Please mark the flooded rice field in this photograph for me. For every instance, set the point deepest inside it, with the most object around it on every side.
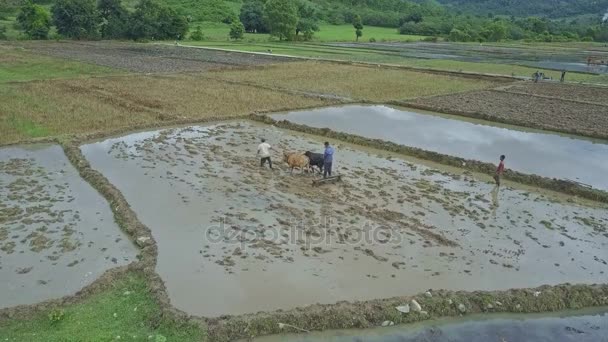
(557, 58)
(550, 155)
(583, 326)
(57, 234)
(237, 238)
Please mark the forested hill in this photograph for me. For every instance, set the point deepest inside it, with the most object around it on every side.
(525, 8)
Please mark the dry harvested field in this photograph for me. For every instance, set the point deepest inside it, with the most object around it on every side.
(354, 82)
(525, 110)
(576, 92)
(101, 104)
(147, 58)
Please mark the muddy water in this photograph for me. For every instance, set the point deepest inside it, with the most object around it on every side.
(235, 238)
(57, 234)
(550, 155)
(583, 326)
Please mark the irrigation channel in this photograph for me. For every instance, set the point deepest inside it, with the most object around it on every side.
(529, 151)
(57, 234)
(582, 326)
(236, 238)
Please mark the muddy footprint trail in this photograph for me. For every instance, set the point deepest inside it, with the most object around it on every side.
(57, 234)
(231, 234)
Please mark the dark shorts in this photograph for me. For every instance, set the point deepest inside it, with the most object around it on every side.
(264, 160)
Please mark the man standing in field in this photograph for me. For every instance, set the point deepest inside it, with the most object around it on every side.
(499, 170)
(264, 152)
(328, 158)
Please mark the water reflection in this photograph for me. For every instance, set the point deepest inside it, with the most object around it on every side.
(508, 328)
(550, 155)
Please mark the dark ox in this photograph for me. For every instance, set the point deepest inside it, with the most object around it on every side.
(316, 159)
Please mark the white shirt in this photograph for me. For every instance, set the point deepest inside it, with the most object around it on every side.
(264, 149)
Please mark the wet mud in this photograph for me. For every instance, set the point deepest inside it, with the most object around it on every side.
(566, 187)
(535, 152)
(57, 234)
(231, 235)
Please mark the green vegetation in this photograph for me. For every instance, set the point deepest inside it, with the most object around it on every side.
(457, 20)
(126, 311)
(76, 19)
(34, 20)
(237, 30)
(114, 18)
(252, 16)
(27, 128)
(151, 20)
(16, 65)
(281, 17)
(358, 27)
(546, 8)
(327, 33)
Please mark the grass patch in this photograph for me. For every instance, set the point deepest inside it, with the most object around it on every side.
(28, 128)
(354, 82)
(18, 65)
(124, 312)
(326, 33)
(101, 104)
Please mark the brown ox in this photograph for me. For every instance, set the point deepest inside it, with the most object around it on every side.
(296, 159)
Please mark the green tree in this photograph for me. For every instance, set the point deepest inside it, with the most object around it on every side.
(281, 17)
(152, 20)
(237, 30)
(358, 25)
(307, 20)
(114, 19)
(76, 19)
(34, 20)
(197, 35)
(3, 32)
(252, 16)
(457, 35)
(495, 31)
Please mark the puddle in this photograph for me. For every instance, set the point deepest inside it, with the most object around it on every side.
(57, 234)
(583, 326)
(234, 238)
(550, 155)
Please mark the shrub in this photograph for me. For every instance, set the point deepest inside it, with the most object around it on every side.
(56, 315)
(197, 35)
(237, 30)
(34, 20)
(372, 40)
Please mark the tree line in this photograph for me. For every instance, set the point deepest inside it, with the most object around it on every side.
(105, 19)
(294, 20)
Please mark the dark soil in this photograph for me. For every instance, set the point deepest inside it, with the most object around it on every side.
(574, 92)
(148, 58)
(531, 111)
